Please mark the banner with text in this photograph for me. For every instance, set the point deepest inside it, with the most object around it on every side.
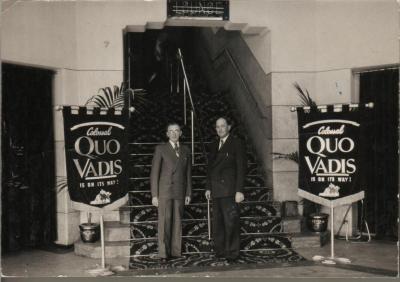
(96, 149)
(330, 151)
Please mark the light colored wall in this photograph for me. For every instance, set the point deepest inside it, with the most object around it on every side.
(356, 33)
(40, 33)
(321, 35)
(100, 25)
(291, 24)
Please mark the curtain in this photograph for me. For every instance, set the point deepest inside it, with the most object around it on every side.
(382, 169)
(28, 178)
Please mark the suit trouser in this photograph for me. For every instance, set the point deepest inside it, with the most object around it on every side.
(170, 213)
(226, 227)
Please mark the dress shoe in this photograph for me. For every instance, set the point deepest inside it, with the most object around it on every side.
(232, 260)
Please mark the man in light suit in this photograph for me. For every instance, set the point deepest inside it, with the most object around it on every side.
(171, 188)
(225, 180)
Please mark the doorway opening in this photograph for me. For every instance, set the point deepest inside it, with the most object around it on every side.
(28, 178)
(382, 163)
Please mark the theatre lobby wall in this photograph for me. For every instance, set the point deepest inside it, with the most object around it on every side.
(317, 44)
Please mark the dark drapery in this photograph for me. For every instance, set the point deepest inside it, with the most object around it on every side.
(28, 176)
(381, 206)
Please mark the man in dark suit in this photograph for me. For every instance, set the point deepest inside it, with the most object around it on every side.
(225, 179)
(171, 188)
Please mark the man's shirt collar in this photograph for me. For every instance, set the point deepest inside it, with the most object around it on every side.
(173, 144)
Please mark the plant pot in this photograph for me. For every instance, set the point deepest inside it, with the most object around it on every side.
(90, 232)
(317, 222)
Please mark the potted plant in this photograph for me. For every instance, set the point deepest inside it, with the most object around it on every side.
(90, 231)
(316, 221)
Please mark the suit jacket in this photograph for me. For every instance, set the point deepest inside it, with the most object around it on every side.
(226, 168)
(171, 177)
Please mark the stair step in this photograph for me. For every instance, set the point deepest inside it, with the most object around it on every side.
(201, 188)
(117, 231)
(148, 147)
(146, 158)
(197, 169)
(199, 211)
(310, 240)
(140, 183)
(93, 250)
(199, 244)
(155, 133)
(198, 196)
(191, 227)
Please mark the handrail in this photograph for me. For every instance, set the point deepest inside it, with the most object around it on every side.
(193, 109)
(241, 77)
(186, 86)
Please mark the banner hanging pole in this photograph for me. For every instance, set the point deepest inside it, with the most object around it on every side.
(103, 249)
(332, 236)
(60, 107)
(208, 219)
(102, 270)
(367, 105)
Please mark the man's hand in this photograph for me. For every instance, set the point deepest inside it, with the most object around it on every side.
(187, 200)
(154, 201)
(208, 194)
(239, 197)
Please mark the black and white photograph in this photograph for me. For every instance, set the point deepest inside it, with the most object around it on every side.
(200, 138)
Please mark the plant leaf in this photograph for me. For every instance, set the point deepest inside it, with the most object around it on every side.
(115, 97)
(109, 96)
(293, 156)
(304, 96)
(117, 92)
(61, 183)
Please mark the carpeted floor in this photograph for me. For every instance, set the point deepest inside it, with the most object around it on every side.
(205, 262)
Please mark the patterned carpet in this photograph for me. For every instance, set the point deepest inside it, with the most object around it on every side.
(206, 262)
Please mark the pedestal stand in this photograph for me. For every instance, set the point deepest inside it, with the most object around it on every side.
(331, 259)
(332, 204)
(103, 270)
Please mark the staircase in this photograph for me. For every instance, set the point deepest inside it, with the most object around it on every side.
(265, 236)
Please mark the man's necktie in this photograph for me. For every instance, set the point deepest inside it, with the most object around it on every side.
(221, 143)
(176, 149)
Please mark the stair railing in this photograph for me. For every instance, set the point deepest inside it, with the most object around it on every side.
(193, 117)
(187, 93)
